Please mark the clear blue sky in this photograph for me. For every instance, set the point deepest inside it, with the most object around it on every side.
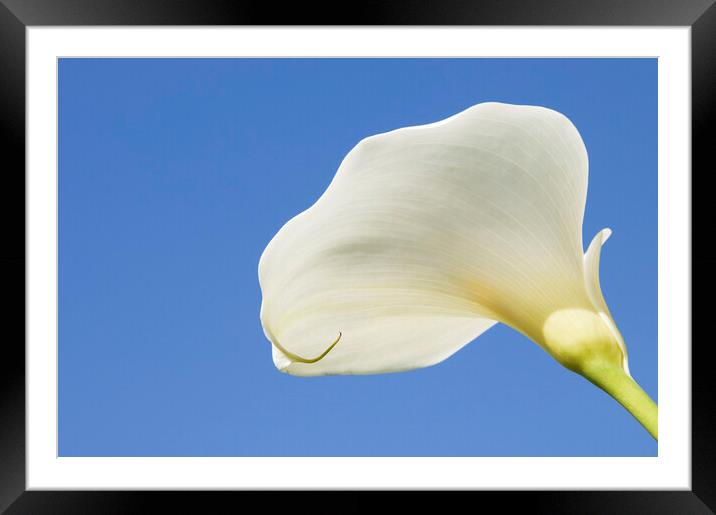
(174, 174)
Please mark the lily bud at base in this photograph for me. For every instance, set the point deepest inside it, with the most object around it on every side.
(577, 337)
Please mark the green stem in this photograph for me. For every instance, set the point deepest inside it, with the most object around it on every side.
(617, 383)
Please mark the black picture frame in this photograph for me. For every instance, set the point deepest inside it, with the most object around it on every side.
(17, 15)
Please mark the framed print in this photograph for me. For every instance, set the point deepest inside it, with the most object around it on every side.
(260, 256)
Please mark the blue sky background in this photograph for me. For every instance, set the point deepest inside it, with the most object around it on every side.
(174, 174)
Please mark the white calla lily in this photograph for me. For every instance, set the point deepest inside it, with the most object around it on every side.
(429, 235)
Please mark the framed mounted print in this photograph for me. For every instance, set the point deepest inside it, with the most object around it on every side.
(370, 257)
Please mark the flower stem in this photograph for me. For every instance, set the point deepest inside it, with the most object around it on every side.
(617, 383)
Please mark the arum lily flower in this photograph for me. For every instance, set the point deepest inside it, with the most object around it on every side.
(429, 235)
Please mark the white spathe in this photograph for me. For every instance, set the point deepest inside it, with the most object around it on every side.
(429, 235)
